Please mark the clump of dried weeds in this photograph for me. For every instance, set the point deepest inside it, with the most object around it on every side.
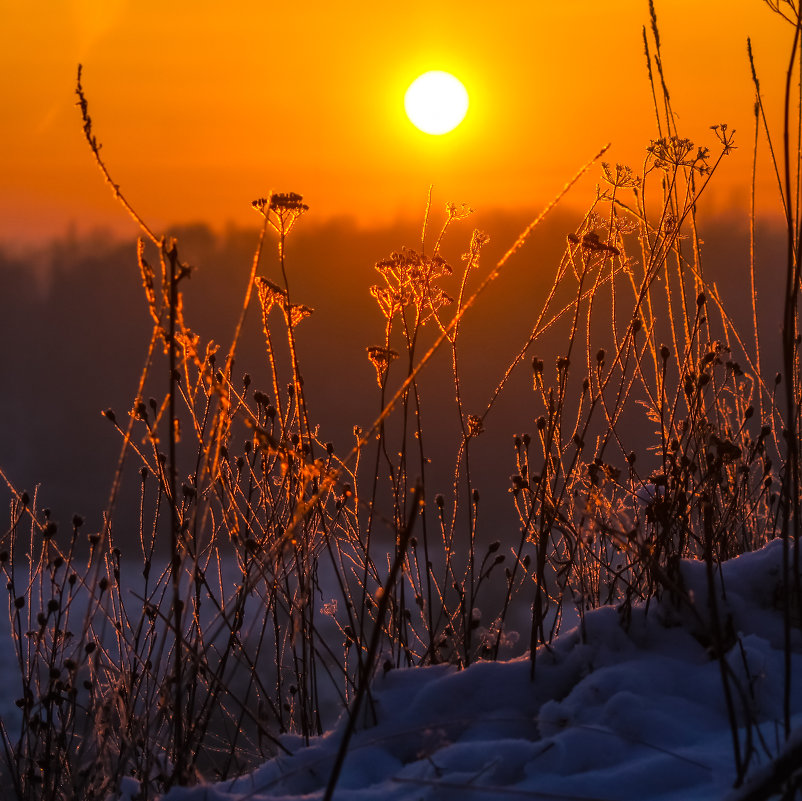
(295, 572)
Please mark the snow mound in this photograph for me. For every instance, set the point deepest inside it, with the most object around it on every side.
(621, 709)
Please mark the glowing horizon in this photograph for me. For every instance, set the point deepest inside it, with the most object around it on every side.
(197, 123)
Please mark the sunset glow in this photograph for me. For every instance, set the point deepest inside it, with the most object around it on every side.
(436, 102)
(197, 125)
(401, 400)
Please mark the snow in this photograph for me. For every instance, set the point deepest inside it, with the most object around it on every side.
(613, 711)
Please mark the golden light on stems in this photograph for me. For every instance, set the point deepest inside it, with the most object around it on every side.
(436, 102)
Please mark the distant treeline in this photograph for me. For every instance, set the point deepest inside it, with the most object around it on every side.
(74, 329)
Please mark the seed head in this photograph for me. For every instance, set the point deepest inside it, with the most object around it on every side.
(475, 425)
(381, 358)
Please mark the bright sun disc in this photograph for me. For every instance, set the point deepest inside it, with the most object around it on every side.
(436, 102)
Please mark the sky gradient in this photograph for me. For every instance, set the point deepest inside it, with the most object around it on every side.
(199, 111)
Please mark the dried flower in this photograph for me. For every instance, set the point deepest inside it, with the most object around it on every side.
(475, 425)
(271, 294)
(591, 243)
(621, 176)
(410, 279)
(672, 152)
(381, 358)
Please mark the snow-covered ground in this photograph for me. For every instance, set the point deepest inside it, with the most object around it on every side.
(635, 712)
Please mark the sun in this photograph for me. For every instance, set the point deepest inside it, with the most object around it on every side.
(436, 102)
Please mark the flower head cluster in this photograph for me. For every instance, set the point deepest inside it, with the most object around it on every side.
(725, 136)
(620, 176)
(672, 152)
(381, 359)
(286, 208)
(271, 294)
(411, 280)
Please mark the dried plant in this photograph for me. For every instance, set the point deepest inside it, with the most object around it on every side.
(294, 572)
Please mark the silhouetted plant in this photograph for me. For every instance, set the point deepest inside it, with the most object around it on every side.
(295, 572)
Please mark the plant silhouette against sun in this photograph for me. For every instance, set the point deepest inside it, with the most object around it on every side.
(294, 572)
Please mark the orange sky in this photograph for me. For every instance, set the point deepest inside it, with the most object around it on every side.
(201, 109)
